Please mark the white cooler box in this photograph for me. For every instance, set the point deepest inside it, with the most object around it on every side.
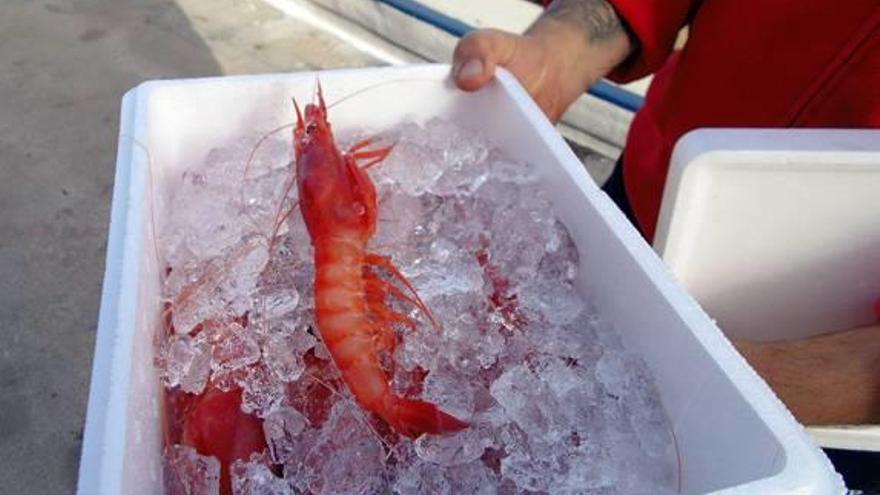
(776, 232)
(734, 436)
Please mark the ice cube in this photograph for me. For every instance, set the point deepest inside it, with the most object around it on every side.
(185, 471)
(261, 392)
(473, 478)
(178, 358)
(452, 449)
(282, 428)
(611, 372)
(561, 377)
(241, 278)
(556, 302)
(254, 478)
(399, 215)
(233, 347)
(192, 292)
(464, 172)
(196, 378)
(527, 400)
(413, 168)
(506, 170)
(422, 477)
(348, 457)
(459, 273)
(277, 304)
(282, 356)
(451, 392)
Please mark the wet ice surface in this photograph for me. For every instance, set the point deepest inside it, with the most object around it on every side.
(555, 403)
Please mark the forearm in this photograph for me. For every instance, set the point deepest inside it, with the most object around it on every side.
(589, 35)
(832, 378)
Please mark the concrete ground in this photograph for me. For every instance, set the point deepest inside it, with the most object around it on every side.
(64, 66)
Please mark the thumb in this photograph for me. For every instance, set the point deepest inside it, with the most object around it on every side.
(477, 54)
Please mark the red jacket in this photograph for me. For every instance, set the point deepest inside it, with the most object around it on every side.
(747, 63)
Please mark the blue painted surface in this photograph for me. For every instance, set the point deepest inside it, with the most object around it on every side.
(603, 90)
(426, 14)
(616, 96)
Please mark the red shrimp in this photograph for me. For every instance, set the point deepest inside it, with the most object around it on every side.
(337, 200)
(213, 423)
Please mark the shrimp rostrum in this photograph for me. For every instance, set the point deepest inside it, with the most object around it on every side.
(338, 203)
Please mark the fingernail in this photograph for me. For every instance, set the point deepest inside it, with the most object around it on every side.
(471, 69)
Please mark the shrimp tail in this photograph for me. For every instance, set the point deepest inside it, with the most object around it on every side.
(412, 418)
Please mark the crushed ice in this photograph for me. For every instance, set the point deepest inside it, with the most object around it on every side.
(555, 403)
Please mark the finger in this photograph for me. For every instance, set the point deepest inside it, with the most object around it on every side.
(477, 55)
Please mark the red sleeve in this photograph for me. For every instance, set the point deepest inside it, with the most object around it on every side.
(655, 23)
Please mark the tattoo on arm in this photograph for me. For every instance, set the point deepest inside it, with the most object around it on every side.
(597, 17)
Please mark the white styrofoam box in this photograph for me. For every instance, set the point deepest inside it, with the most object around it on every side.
(733, 435)
(776, 232)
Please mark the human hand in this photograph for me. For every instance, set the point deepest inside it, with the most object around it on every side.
(530, 59)
(828, 379)
(568, 48)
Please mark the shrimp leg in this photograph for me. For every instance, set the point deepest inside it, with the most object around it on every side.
(363, 143)
(375, 156)
(376, 290)
(385, 262)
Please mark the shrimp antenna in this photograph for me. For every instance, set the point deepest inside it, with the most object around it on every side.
(299, 118)
(152, 199)
(315, 89)
(376, 85)
(321, 97)
(250, 162)
(358, 413)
